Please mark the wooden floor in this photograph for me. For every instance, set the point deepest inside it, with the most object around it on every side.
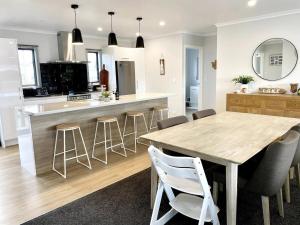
(23, 196)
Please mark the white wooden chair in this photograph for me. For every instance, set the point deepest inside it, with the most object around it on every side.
(186, 175)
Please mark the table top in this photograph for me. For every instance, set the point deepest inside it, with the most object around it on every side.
(225, 137)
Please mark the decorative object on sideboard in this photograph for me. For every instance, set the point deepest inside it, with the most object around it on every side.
(112, 38)
(264, 90)
(244, 81)
(76, 33)
(104, 77)
(162, 66)
(214, 64)
(294, 88)
(274, 59)
(139, 39)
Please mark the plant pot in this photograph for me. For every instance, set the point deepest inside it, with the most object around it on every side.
(244, 88)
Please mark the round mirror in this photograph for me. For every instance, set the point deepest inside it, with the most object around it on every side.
(274, 59)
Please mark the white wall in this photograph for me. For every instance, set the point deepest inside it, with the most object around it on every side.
(172, 49)
(236, 44)
(209, 74)
(47, 43)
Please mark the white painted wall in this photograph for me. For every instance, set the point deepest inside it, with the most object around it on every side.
(47, 42)
(236, 44)
(209, 74)
(171, 48)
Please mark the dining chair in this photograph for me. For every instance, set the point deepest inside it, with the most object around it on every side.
(171, 122)
(295, 167)
(203, 113)
(184, 174)
(270, 174)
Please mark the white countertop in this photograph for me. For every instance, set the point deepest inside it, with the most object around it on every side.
(67, 106)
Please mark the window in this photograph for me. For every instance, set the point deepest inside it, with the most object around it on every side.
(94, 66)
(28, 65)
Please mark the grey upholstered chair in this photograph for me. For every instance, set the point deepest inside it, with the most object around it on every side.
(203, 113)
(295, 167)
(269, 176)
(171, 122)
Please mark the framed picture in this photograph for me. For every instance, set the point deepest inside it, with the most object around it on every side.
(276, 60)
(162, 67)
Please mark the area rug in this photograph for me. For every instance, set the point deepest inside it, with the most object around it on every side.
(127, 202)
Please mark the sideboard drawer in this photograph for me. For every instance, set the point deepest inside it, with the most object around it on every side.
(293, 104)
(275, 104)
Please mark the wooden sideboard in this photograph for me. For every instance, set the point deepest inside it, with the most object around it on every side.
(275, 104)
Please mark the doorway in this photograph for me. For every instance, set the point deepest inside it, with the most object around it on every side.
(193, 79)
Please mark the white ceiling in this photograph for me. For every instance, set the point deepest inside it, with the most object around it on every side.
(193, 16)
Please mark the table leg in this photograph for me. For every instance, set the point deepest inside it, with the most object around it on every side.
(154, 180)
(231, 192)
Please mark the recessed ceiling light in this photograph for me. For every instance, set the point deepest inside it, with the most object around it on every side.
(162, 23)
(99, 29)
(252, 3)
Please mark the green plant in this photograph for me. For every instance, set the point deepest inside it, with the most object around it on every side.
(243, 79)
(105, 94)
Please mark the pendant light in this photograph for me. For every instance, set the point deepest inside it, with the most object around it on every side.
(112, 39)
(139, 40)
(76, 33)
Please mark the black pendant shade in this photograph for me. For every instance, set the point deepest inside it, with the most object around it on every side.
(76, 33)
(139, 40)
(112, 38)
(76, 37)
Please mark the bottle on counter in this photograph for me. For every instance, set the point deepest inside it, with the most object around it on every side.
(104, 77)
(117, 96)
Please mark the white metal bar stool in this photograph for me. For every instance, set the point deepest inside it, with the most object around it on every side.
(134, 115)
(65, 128)
(159, 111)
(108, 120)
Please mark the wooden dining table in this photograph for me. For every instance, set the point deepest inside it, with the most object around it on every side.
(229, 139)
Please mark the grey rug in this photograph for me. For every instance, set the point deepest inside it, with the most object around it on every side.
(127, 203)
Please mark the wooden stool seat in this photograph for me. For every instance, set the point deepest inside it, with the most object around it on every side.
(67, 126)
(135, 113)
(107, 119)
(160, 108)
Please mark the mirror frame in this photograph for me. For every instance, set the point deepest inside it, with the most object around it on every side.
(269, 40)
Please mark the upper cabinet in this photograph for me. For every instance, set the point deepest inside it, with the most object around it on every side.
(111, 55)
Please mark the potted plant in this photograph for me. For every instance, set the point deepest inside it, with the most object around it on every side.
(243, 80)
(106, 96)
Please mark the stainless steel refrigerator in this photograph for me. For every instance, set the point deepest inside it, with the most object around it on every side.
(125, 76)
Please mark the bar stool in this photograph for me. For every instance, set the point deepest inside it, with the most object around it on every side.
(65, 128)
(108, 120)
(134, 115)
(159, 111)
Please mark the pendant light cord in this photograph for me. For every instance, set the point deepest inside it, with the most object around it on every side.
(111, 23)
(75, 18)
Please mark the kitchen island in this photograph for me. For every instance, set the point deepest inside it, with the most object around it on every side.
(36, 124)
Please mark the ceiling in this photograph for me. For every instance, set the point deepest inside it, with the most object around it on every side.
(192, 16)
